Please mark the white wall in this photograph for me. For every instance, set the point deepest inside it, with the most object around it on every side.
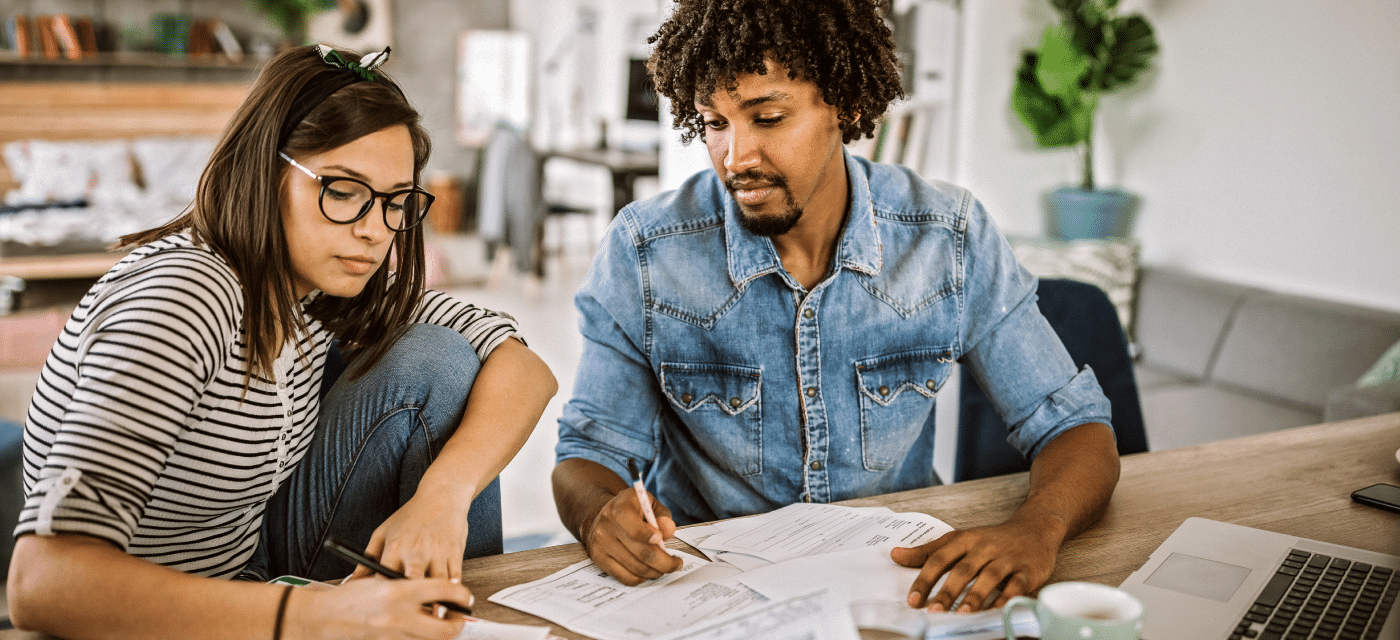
(1266, 145)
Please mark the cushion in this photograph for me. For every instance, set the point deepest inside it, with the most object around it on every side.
(1110, 264)
(1179, 416)
(1358, 402)
(1180, 320)
(1384, 371)
(1300, 349)
(68, 170)
(170, 166)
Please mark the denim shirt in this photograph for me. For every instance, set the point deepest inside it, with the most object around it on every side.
(738, 391)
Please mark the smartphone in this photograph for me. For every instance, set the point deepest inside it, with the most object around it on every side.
(1385, 496)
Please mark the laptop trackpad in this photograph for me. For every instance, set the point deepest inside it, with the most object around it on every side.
(1198, 577)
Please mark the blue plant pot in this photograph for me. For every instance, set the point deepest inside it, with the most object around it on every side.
(1075, 214)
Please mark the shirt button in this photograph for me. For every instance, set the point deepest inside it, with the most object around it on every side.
(735, 402)
(816, 465)
(289, 413)
(808, 313)
(811, 392)
(685, 398)
(931, 385)
(884, 390)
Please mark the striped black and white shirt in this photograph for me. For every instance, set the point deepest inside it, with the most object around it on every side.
(139, 432)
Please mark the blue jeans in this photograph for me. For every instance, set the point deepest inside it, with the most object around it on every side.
(375, 438)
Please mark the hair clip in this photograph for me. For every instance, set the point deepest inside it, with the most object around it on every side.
(364, 68)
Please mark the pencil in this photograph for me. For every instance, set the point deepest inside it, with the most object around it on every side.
(642, 495)
(358, 557)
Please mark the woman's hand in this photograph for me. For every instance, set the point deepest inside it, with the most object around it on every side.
(374, 609)
(425, 538)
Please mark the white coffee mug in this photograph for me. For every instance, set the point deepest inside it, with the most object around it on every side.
(1081, 611)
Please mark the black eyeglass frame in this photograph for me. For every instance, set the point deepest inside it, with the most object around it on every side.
(327, 181)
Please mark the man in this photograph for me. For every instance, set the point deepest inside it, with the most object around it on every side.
(775, 331)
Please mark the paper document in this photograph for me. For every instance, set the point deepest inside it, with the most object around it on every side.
(985, 625)
(584, 599)
(770, 575)
(818, 615)
(802, 530)
(478, 629)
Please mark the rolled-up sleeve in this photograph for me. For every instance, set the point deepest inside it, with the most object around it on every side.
(143, 359)
(1013, 352)
(615, 410)
(484, 328)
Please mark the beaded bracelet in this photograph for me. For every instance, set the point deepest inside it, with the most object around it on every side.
(281, 612)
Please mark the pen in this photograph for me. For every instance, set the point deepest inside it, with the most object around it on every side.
(642, 495)
(353, 555)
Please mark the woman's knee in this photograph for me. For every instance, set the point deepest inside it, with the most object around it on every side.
(433, 353)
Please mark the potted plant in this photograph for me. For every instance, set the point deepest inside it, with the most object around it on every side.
(291, 15)
(1091, 52)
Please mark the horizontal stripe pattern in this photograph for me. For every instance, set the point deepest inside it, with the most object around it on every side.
(143, 396)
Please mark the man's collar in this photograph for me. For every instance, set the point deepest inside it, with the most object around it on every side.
(857, 248)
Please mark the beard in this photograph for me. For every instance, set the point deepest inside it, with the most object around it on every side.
(766, 226)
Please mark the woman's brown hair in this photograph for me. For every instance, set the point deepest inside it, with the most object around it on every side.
(237, 207)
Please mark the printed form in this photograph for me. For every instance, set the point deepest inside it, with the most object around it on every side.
(800, 555)
(802, 530)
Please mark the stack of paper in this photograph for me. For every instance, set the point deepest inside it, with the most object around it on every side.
(792, 571)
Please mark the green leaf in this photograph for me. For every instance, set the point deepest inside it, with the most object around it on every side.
(1129, 53)
(1056, 121)
(1060, 66)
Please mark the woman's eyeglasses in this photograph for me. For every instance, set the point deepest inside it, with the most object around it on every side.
(346, 200)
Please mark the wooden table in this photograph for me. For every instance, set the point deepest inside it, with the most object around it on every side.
(1296, 481)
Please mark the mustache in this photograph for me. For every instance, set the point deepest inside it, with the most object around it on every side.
(754, 176)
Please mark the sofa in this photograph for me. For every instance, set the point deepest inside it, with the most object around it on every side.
(82, 195)
(1218, 360)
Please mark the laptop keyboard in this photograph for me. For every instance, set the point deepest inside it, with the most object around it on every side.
(1313, 596)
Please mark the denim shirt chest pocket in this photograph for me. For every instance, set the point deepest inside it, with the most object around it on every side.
(896, 399)
(720, 405)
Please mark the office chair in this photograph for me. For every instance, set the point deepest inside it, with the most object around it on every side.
(1088, 324)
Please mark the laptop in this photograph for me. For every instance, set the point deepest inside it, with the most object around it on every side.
(1215, 580)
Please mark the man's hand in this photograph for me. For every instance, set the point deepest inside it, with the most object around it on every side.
(1015, 557)
(1071, 482)
(622, 543)
(602, 511)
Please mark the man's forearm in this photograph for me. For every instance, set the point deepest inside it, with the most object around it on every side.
(1072, 479)
(581, 489)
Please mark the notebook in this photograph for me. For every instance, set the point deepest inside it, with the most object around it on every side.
(1215, 580)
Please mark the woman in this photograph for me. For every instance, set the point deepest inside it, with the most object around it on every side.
(192, 421)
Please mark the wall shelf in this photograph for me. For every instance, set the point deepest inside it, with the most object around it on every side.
(134, 59)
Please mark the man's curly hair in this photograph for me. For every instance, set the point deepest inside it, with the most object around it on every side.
(842, 46)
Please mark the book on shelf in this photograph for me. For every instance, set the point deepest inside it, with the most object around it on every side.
(21, 39)
(916, 148)
(896, 137)
(67, 36)
(87, 35)
(201, 43)
(228, 43)
(48, 40)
